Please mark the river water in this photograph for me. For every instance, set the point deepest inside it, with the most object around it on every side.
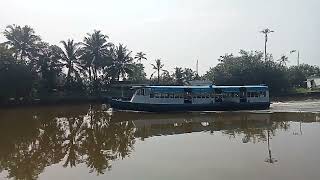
(92, 142)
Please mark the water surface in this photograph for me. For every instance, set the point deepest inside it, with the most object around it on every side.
(90, 142)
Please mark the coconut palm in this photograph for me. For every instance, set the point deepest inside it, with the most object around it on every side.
(70, 56)
(283, 60)
(178, 75)
(22, 41)
(48, 64)
(140, 56)
(122, 62)
(158, 66)
(96, 50)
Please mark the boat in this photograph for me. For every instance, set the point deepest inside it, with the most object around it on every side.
(195, 98)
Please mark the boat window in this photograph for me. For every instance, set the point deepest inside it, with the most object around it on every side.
(265, 94)
(166, 95)
(171, 95)
(151, 95)
(157, 95)
(142, 92)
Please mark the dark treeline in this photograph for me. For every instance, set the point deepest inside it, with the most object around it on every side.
(33, 69)
(250, 68)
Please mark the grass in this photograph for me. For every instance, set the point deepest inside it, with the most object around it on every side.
(301, 90)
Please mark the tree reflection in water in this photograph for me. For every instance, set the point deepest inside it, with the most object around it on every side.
(33, 139)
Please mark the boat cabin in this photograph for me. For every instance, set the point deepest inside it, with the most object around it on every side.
(199, 94)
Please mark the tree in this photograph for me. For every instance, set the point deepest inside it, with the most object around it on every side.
(96, 53)
(15, 76)
(49, 66)
(249, 68)
(158, 66)
(122, 63)
(178, 75)
(298, 74)
(140, 56)
(166, 78)
(70, 55)
(283, 60)
(188, 74)
(138, 74)
(22, 40)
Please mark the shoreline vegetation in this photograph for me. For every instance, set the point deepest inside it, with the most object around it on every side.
(34, 72)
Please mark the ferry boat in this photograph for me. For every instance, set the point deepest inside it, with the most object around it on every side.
(195, 98)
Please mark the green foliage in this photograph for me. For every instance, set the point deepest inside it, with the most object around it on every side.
(189, 74)
(76, 67)
(22, 41)
(122, 63)
(140, 56)
(249, 68)
(158, 67)
(137, 75)
(178, 75)
(298, 74)
(15, 77)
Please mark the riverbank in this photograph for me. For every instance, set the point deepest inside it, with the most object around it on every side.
(48, 101)
(296, 96)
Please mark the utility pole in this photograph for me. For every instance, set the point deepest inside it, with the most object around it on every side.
(298, 59)
(197, 68)
(266, 32)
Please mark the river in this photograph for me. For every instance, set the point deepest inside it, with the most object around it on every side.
(92, 142)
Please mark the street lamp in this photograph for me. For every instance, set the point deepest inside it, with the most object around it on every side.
(298, 59)
(266, 32)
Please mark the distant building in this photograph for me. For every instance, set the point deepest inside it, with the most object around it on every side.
(313, 82)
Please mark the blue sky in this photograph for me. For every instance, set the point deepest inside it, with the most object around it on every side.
(177, 31)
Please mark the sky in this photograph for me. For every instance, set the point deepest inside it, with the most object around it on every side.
(179, 32)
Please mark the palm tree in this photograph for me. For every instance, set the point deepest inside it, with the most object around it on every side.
(70, 55)
(188, 74)
(158, 66)
(140, 56)
(22, 41)
(283, 60)
(96, 50)
(48, 64)
(122, 62)
(178, 75)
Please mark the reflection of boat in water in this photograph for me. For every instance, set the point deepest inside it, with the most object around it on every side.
(165, 124)
(148, 124)
(195, 98)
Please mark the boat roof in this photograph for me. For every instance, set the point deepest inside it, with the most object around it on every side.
(200, 87)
